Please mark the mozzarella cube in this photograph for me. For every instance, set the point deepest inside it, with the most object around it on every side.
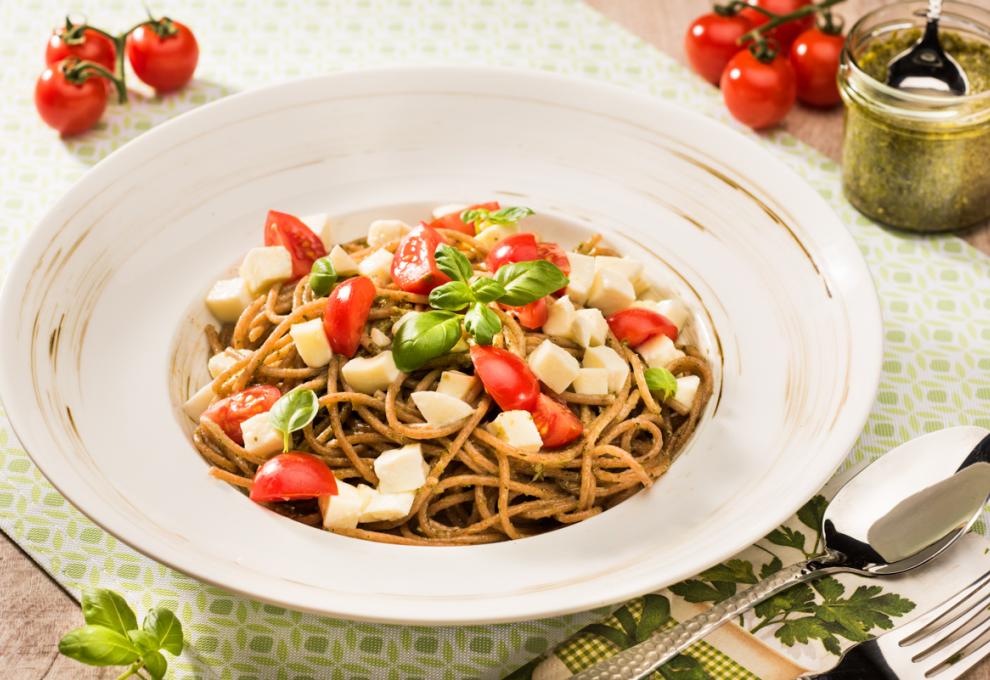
(591, 381)
(659, 352)
(380, 339)
(448, 209)
(687, 388)
(401, 469)
(384, 231)
(377, 267)
(560, 317)
(199, 402)
(260, 438)
(609, 359)
(311, 343)
(456, 384)
(628, 267)
(228, 298)
(319, 224)
(675, 310)
(343, 511)
(590, 328)
(611, 292)
(582, 276)
(490, 235)
(553, 365)
(441, 409)
(370, 374)
(342, 262)
(264, 267)
(517, 429)
(382, 507)
(222, 361)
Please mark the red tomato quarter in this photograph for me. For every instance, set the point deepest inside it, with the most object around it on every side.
(532, 315)
(231, 411)
(758, 94)
(454, 221)
(69, 107)
(521, 247)
(815, 60)
(291, 476)
(506, 378)
(305, 247)
(414, 267)
(555, 422)
(636, 325)
(166, 62)
(710, 42)
(555, 255)
(785, 33)
(346, 314)
(94, 47)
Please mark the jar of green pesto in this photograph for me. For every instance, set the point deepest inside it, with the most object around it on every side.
(917, 161)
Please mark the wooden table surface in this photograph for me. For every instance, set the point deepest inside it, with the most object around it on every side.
(34, 610)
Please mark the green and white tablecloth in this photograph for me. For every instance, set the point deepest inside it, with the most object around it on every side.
(935, 295)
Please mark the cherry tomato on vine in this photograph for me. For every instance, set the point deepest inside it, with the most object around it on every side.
(70, 98)
(757, 93)
(785, 33)
(815, 60)
(710, 42)
(163, 54)
(94, 47)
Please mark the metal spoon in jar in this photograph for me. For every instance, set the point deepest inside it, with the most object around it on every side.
(925, 66)
(896, 514)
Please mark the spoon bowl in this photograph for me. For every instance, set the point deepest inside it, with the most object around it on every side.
(925, 66)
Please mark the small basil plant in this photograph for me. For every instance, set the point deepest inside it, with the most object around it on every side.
(292, 412)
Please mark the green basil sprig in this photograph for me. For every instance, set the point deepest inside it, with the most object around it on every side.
(424, 336)
(323, 276)
(507, 215)
(293, 411)
(453, 263)
(526, 282)
(111, 636)
(482, 323)
(453, 296)
(661, 381)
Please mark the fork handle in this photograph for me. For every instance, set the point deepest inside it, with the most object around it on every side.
(640, 660)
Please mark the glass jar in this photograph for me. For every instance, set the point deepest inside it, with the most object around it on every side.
(917, 161)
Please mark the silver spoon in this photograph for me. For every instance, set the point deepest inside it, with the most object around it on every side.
(925, 66)
(895, 515)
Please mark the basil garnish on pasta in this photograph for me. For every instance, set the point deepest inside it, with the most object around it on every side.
(453, 263)
(482, 323)
(526, 282)
(661, 381)
(507, 215)
(454, 296)
(294, 411)
(424, 336)
(323, 276)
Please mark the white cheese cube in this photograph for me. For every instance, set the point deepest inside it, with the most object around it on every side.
(382, 507)
(311, 343)
(448, 209)
(441, 409)
(611, 292)
(687, 388)
(517, 429)
(581, 277)
(370, 374)
(659, 351)
(377, 267)
(343, 511)
(222, 361)
(260, 438)
(590, 328)
(380, 339)
(456, 384)
(560, 317)
(199, 402)
(489, 236)
(553, 365)
(609, 359)
(384, 231)
(401, 469)
(675, 310)
(228, 298)
(628, 267)
(342, 262)
(264, 267)
(591, 381)
(319, 224)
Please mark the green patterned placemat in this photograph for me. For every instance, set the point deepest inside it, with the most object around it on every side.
(934, 294)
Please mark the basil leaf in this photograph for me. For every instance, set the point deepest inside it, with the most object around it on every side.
(525, 282)
(143, 640)
(661, 381)
(487, 289)
(424, 336)
(509, 215)
(322, 276)
(453, 295)
(294, 411)
(453, 263)
(474, 215)
(482, 323)
(155, 664)
(102, 607)
(164, 626)
(98, 646)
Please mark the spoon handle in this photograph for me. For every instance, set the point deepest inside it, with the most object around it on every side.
(640, 660)
(934, 10)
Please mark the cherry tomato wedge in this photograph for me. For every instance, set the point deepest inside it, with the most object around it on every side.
(521, 247)
(710, 42)
(454, 221)
(636, 325)
(506, 378)
(291, 476)
(346, 314)
(231, 411)
(166, 62)
(94, 47)
(69, 107)
(288, 231)
(555, 422)
(555, 255)
(414, 268)
(532, 315)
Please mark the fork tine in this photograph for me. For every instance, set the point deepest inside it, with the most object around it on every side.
(980, 616)
(965, 658)
(958, 610)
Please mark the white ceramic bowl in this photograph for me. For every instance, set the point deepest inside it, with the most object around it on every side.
(102, 290)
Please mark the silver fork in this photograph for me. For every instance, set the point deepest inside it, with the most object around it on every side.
(943, 644)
